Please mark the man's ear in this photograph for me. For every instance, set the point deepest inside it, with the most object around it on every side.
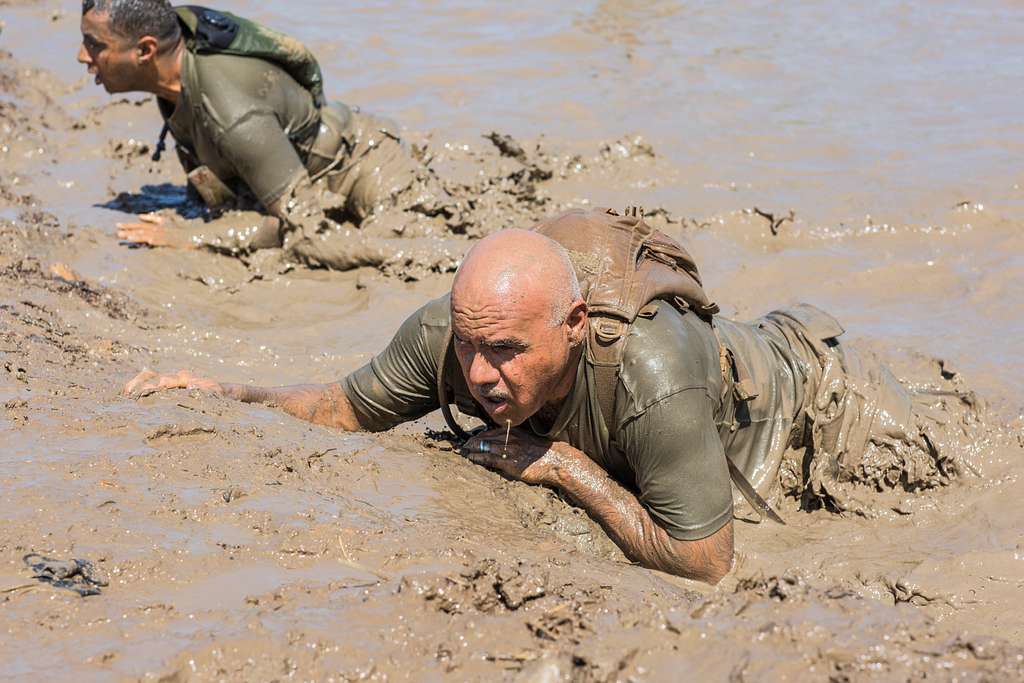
(146, 50)
(577, 322)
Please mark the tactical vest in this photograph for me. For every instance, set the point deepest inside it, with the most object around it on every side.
(624, 268)
(208, 31)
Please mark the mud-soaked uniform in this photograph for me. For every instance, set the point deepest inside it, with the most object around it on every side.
(818, 406)
(259, 131)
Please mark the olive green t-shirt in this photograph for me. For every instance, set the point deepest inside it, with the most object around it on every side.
(675, 415)
(247, 120)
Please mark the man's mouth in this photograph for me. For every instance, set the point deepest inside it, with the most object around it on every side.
(494, 404)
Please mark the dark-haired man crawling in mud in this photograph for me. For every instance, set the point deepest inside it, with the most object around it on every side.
(246, 108)
(592, 337)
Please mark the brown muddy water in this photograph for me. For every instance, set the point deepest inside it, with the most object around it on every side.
(240, 544)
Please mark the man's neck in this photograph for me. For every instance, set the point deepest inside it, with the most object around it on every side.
(168, 74)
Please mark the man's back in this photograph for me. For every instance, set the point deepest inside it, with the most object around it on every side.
(246, 119)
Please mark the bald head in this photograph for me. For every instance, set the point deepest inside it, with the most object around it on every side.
(516, 266)
(518, 323)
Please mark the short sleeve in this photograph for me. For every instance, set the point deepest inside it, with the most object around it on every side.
(400, 383)
(679, 463)
(262, 155)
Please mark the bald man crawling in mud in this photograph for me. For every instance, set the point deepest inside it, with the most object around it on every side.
(591, 337)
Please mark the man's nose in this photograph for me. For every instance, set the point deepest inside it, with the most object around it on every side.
(83, 55)
(482, 372)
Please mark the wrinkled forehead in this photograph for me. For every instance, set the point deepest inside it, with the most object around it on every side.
(496, 311)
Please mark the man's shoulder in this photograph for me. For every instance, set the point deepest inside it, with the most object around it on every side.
(670, 352)
(426, 328)
(436, 313)
(230, 86)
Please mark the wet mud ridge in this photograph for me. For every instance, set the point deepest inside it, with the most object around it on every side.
(187, 538)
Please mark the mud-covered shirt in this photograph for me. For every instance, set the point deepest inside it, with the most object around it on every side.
(675, 414)
(248, 120)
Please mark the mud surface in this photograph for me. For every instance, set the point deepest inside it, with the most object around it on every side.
(230, 542)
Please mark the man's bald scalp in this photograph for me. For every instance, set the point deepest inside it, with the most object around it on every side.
(515, 264)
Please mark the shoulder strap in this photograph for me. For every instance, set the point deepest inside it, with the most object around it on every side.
(212, 31)
(623, 266)
(606, 377)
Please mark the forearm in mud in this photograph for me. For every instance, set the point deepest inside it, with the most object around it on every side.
(323, 404)
(235, 232)
(559, 465)
(628, 523)
(315, 241)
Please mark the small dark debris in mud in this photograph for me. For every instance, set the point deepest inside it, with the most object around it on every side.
(16, 410)
(903, 591)
(19, 373)
(946, 369)
(78, 576)
(173, 431)
(232, 493)
(488, 587)
(779, 588)
(114, 304)
(629, 147)
(774, 223)
(127, 150)
(507, 145)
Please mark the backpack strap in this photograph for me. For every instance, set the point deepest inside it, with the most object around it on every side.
(605, 379)
(211, 31)
(750, 493)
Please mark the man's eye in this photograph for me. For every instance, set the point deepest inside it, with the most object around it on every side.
(505, 348)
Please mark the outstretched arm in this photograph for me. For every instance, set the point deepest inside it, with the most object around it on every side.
(323, 404)
(618, 511)
(238, 232)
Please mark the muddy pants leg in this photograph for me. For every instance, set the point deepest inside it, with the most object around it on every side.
(863, 426)
(381, 176)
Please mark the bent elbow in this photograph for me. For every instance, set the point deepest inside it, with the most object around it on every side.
(718, 569)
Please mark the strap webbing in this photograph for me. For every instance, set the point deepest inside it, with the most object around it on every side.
(606, 377)
(750, 494)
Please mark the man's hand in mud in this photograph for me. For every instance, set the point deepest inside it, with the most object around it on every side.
(152, 229)
(525, 457)
(148, 382)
